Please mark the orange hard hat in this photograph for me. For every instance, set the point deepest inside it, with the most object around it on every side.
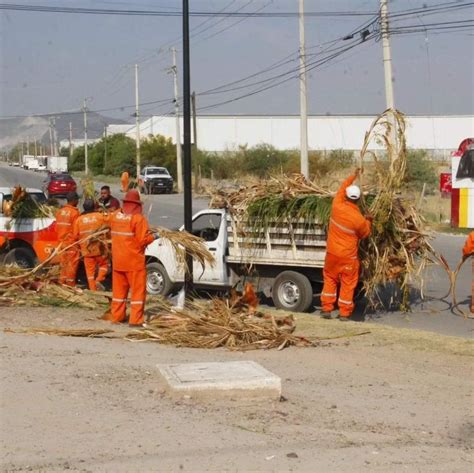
(133, 196)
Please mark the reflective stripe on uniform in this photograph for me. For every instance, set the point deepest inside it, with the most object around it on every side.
(123, 233)
(119, 300)
(64, 223)
(137, 302)
(342, 301)
(91, 277)
(343, 228)
(328, 294)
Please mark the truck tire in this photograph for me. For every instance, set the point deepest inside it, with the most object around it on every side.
(22, 257)
(158, 283)
(292, 291)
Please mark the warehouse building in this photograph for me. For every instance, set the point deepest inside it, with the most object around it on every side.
(438, 134)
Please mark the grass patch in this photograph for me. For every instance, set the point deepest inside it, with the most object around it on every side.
(314, 326)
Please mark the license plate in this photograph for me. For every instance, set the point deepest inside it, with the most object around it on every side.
(62, 184)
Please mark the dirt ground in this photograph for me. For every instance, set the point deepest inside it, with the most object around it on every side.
(389, 401)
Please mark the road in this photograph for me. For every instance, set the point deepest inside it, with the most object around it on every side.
(433, 314)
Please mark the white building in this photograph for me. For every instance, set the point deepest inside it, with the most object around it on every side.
(117, 129)
(440, 134)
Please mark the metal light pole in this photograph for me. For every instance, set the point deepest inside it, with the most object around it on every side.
(188, 208)
(179, 159)
(137, 122)
(387, 56)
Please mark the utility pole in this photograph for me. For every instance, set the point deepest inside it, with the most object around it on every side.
(55, 137)
(188, 193)
(105, 146)
(179, 161)
(193, 105)
(36, 149)
(86, 161)
(27, 145)
(51, 150)
(387, 56)
(303, 97)
(137, 121)
(70, 141)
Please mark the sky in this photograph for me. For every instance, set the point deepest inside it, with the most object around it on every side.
(50, 62)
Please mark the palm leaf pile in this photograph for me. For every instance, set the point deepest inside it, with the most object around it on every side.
(219, 323)
(22, 206)
(398, 249)
(20, 287)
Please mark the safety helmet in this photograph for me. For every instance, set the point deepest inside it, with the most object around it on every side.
(133, 197)
(353, 192)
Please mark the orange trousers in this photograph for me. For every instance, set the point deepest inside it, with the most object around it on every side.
(472, 286)
(91, 263)
(69, 262)
(341, 272)
(122, 282)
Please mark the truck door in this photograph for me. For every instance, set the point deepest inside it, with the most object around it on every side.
(210, 226)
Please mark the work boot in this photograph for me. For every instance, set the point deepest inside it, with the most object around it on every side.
(326, 315)
(343, 319)
(99, 286)
(144, 325)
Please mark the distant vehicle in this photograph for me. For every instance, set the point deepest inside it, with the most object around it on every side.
(58, 185)
(30, 162)
(57, 163)
(41, 167)
(26, 241)
(14, 164)
(155, 179)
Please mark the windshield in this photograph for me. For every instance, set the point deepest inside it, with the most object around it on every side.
(61, 177)
(157, 171)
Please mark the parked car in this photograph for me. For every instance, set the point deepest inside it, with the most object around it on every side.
(155, 179)
(58, 185)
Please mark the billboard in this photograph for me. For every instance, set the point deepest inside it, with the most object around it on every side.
(463, 169)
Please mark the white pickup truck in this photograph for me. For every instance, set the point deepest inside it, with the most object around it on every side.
(283, 262)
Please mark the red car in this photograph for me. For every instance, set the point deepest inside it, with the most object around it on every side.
(58, 185)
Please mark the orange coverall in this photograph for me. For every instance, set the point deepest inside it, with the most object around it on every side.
(93, 251)
(124, 178)
(130, 237)
(69, 260)
(466, 251)
(347, 226)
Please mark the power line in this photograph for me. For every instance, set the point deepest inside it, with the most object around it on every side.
(113, 11)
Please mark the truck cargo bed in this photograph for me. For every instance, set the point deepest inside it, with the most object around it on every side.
(295, 243)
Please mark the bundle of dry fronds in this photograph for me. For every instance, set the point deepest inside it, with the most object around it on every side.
(398, 249)
(20, 287)
(22, 205)
(88, 333)
(183, 242)
(220, 323)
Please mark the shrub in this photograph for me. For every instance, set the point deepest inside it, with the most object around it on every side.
(420, 170)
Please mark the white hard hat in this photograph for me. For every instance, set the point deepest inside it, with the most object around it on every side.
(353, 192)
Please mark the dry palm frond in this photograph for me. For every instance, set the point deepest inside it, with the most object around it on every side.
(23, 206)
(184, 242)
(88, 189)
(89, 333)
(220, 323)
(19, 287)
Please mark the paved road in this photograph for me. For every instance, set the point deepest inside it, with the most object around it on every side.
(433, 314)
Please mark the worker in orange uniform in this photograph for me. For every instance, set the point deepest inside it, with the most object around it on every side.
(124, 180)
(130, 237)
(468, 251)
(69, 260)
(346, 227)
(94, 251)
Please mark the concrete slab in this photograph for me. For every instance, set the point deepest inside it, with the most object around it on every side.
(221, 379)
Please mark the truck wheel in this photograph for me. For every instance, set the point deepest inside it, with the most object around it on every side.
(22, 257)
(158, 282)
(292, 291)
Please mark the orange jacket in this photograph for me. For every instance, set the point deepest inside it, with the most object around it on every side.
(130, 237)
(347, 225)
(469, 245)
(85, 225)
(65, 218)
